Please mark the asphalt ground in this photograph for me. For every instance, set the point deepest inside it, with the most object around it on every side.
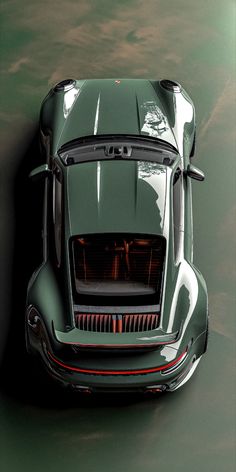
(42, 428)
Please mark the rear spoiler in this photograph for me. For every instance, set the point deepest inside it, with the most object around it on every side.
(99, 341)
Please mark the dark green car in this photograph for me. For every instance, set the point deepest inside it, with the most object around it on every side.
(117, 304)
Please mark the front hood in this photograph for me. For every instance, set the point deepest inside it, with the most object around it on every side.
(116, 196)
(109, 106)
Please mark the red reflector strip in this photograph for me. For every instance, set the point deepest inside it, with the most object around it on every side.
(116, 372)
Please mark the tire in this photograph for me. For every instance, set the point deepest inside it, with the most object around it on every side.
(27, 343)
(193, 146)
(206, 338)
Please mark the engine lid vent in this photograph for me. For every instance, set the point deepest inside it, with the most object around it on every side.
(108, 323)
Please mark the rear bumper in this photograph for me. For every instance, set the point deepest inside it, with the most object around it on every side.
(148, 382)
(166, 377)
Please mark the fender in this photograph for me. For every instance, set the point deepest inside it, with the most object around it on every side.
(189, 303)
(44, 293)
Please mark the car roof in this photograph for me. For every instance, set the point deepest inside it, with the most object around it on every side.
(126, 196)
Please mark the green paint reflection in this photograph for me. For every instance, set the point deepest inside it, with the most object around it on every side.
(193, 42)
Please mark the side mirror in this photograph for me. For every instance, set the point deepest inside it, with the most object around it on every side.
(40, 173)
(194, 173)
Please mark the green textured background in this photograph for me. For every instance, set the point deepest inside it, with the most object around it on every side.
(194, 43)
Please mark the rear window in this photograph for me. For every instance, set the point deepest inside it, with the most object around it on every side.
(117, 269)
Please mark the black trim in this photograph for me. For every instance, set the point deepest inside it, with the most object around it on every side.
(117, 309)
(121, 150)
(110, 138)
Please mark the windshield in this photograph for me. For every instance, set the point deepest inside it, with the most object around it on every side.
(116, 269)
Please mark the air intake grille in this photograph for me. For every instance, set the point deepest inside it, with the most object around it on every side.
(107, 323)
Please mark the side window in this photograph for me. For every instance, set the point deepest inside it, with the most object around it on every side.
(57, 211)
(177, 194)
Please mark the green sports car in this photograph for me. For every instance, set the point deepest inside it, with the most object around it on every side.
(117, 304)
